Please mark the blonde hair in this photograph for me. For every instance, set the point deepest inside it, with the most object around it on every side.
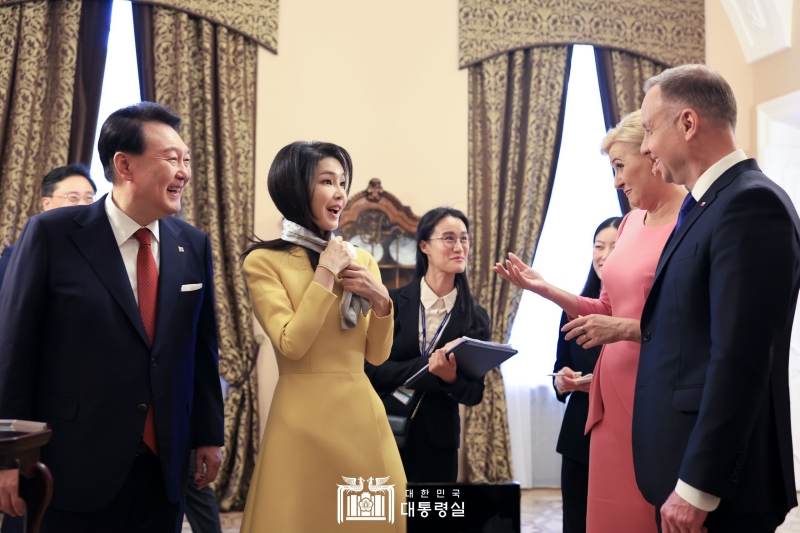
(629, 131)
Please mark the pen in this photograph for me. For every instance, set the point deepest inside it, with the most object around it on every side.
(561, 374)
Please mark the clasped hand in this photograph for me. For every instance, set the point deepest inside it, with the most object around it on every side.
(595, 330)
(336, 255)
(355, 278)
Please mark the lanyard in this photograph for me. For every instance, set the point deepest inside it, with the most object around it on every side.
(428, 348)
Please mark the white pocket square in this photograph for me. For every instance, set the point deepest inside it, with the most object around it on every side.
(191, 287)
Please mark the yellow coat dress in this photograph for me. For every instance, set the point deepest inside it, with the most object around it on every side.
(326, 422)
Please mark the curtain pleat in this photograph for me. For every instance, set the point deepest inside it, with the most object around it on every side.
(38, 55)
(206, 74)
(516, 114)
(621, 77)
(90, 67)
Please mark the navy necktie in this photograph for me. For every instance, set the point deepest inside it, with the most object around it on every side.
(687, 206)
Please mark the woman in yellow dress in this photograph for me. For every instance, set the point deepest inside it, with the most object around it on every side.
(328, 461)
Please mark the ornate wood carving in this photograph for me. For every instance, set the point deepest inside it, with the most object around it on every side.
(378, 222)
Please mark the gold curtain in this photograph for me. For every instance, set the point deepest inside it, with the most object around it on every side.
(38, 54)
(256, 19)
(516, 110)
(667, 31)
(207, 74)
(621, 77)
(624, 75)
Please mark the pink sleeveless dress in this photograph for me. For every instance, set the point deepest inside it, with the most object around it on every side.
(615, 502)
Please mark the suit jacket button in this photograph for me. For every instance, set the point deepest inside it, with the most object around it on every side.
(735, 478)
(646, 336)
(153, 361)
(142, 407)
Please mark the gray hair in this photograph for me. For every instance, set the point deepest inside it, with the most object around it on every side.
(700, 88)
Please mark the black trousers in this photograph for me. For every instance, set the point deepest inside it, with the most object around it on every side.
(574, 494)
(739, 522)
(202, 510)
(423, 462)
(141, 506)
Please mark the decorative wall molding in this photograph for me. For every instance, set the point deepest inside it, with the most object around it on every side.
(671, 32)
(763, 27)
(256, 19)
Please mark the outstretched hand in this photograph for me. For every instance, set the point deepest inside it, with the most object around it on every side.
(520, 275)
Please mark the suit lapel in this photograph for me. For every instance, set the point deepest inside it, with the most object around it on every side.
(408, 299)
(170, 276)
(95, 240)
(694, 215)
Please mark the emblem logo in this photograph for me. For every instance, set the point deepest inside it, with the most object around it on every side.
(355, 503)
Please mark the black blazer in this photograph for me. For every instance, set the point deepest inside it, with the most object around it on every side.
(572, 442)
(439, 410)
(5, 258)
(711, 405)
(74, 353)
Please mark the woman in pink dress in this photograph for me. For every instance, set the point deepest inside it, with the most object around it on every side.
(615, 503)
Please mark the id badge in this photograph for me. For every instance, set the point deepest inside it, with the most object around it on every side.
(403, 394)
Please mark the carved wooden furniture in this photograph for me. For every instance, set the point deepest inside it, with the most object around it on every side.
(378, 222)
(20, 442)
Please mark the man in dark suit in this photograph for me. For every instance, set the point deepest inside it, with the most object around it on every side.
(711, 426)
(62, 186)
(129, 398)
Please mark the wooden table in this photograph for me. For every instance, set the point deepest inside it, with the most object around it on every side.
(20, 442)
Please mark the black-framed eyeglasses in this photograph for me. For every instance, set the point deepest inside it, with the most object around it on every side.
(450, 241)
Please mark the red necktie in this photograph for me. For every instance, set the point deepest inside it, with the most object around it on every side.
(147, 283)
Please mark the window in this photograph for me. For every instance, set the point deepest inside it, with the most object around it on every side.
(120, 81)
(583, 196)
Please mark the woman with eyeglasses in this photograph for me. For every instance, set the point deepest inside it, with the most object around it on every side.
(433, 310)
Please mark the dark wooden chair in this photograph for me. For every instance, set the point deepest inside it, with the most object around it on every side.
(20, 442)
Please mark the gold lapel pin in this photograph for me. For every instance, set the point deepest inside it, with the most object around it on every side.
(180, 248)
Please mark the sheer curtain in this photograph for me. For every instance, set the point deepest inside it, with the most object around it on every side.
(120, 81)
(583, 196)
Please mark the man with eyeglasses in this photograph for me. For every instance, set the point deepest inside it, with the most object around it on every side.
(61, 187)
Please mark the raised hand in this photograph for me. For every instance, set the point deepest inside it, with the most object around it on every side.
(337, 255)
(520, 274)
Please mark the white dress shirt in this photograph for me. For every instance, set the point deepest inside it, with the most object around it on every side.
(715, 171)
(436, 310)
(698, 498)
(124, 227)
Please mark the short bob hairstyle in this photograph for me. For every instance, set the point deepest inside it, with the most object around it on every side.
(629, 131)
(291, 181)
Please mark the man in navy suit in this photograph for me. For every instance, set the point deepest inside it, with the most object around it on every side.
(712, 444)
(129, 398)
(62, 186)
